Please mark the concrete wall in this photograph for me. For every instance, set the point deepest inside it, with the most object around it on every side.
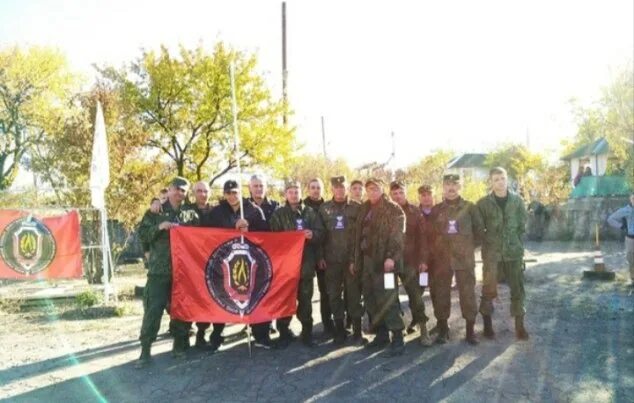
(576, 220)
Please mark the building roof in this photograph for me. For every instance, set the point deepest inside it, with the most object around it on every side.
(601, 186)
(467, 161)
(597, 147)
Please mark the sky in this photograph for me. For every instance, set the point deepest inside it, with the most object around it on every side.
(458, 75)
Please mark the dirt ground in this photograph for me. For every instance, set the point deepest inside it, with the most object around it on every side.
(581, 350)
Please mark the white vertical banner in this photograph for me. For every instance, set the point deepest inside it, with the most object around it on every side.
(99, 179)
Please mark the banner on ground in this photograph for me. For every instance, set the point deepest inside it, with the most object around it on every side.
(218, 278)
(33, 247)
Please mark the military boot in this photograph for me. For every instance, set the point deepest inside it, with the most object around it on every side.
(424, 339)
(520, 331)
(488, 327)
(145, 357)
(329, 328)
(397, 347)
(307, 334)
(340, 332)
(471, 337)
(381, 340)
(178, 347)
(357, 334)
(443, 332)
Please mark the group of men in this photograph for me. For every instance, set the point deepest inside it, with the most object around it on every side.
(353, 247)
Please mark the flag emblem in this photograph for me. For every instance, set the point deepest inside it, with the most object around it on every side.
(27, 246)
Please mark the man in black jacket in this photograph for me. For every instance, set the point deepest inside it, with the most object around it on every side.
(227, 215)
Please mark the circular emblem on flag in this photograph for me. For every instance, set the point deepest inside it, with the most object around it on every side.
(27, 245)
(238, 275)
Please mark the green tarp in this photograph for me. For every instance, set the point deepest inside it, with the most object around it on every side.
(601, 186)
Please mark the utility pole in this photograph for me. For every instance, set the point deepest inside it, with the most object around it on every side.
(323, 137)
(284, 70)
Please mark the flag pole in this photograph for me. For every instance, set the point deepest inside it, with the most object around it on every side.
(236, 146)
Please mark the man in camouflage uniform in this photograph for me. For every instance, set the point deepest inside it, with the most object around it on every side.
(415, 245)
(504, 218)
(154, 229)
(295, 216)
(314, 200)
(378, 249)
(339, 217)
(456, 230)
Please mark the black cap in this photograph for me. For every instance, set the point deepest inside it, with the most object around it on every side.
(338, 181)
(180, 183)
(231, 186)
(425, 189)
(397, 185)
(453, 178)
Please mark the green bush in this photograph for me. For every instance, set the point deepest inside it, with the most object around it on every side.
(87, 299)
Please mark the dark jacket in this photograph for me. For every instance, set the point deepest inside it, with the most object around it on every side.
(339, 220)
(268, 207)
(384, 226)
(455, 231)
(223, 216)
(415, 239)
(287, 219)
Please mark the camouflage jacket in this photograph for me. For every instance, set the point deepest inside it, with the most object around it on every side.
(160, 263)
(379, 232)
(415, 236)
(286, 219)
(503, 229)
(454, 233)
(339, 220)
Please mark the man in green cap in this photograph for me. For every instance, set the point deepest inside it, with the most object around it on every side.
(414, 245)
(295, 216)
(456, 230)
(378, 249)
(504, 218)
(339, 217)
(154, 230)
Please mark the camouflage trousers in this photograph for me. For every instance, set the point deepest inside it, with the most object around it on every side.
(382, 305)
(441, 293)
(156, 296)
(513, 273)
(409, 279)
(338, 276)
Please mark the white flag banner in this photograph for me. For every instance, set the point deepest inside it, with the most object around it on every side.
(99, 167)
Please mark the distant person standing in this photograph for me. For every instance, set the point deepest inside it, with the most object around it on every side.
(578, 177)
(624, 217)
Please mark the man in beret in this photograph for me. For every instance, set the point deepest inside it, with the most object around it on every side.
(154, 230)
(378, 249)
(455, 231)
(295, 216)
(414, 246)
(339, 217)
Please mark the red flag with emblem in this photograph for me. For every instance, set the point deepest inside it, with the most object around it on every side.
(34, 247)
(218, 278)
